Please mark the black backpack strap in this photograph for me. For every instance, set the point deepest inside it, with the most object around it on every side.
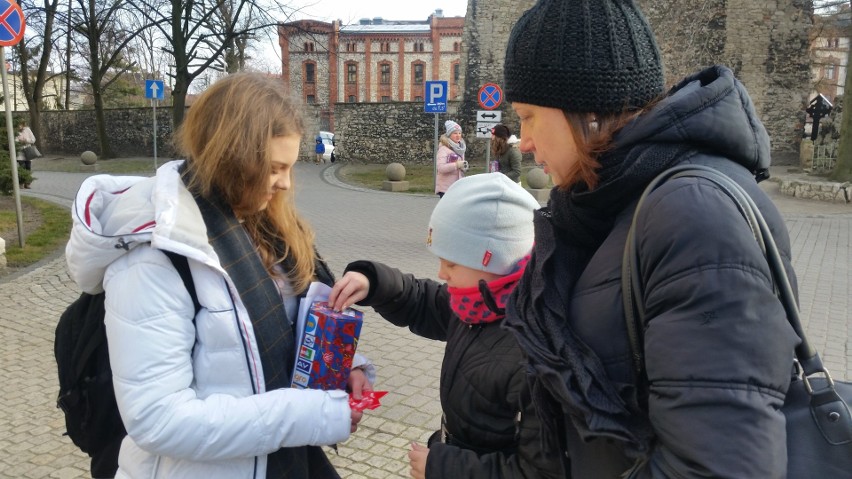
(182, 266)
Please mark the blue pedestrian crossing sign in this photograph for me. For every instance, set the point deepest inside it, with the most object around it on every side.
(154, 89)
(436, 97)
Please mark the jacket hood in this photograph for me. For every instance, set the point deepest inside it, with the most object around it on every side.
(113, 214)
(710, 110)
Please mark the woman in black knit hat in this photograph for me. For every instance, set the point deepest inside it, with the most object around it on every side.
(586, 80)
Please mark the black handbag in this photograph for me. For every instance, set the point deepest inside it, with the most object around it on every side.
(819, 424)
(31, 152)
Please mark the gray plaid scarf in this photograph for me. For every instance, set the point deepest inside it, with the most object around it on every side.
(272, 329)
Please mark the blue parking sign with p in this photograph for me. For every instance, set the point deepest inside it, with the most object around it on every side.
(436, 97)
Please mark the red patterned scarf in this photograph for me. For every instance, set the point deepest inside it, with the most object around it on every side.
(487, 301)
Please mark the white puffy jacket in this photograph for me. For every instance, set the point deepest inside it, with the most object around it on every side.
(192, 398)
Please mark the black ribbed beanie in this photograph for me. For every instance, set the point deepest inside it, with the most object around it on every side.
(585, 56)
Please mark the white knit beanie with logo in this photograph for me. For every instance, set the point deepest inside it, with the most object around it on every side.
(484, 222)
(450, 126)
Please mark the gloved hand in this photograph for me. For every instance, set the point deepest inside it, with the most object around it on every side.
(462, 165)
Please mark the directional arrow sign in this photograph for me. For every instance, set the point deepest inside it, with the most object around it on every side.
(154, 89)
(488, 115)
(483, 128)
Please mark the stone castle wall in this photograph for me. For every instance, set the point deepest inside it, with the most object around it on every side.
(387, 132)
(130, 131)
(765, 42)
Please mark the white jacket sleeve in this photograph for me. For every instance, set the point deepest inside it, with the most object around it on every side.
(151, 337)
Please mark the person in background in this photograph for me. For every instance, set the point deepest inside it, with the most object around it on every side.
(507, 157)
(27, 150)
(450, 162)
(481, 231)
(320, 150)
(207, 393)
(586, 80)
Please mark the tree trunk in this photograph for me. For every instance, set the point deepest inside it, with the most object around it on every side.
(100, 124)
(178, 100)
(843, 168)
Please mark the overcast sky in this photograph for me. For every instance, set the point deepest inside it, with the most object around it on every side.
(350, 11)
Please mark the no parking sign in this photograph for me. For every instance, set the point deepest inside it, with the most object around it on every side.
(12, 23)
(490, 96)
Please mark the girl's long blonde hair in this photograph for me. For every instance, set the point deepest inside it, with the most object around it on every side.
(225, 139)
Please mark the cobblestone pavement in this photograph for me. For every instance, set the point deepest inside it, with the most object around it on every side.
(350, 224)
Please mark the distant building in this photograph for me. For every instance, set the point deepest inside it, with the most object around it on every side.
(53, 93)
(375, 60)
(829, 47)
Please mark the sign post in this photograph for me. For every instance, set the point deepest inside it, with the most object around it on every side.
(12, 25)
(435, 101)
(489, 97)
(155, 91)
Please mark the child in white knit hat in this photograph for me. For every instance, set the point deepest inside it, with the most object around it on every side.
(450, 164)
(482, 232)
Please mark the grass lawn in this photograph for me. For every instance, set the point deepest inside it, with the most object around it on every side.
(420, 177)
(47, 227)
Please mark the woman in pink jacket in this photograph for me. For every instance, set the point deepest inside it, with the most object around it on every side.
(450, 158)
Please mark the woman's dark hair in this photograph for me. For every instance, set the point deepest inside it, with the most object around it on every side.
(593, 136)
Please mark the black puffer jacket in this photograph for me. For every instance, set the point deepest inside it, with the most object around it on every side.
(493, 431)
(718, 349)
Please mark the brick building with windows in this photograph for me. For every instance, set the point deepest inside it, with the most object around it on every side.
(375, 60)
(829, 48)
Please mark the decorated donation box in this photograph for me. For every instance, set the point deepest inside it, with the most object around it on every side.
(327, 344)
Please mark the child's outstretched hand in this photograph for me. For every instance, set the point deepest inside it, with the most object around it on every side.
(417, 460)
(348, 290)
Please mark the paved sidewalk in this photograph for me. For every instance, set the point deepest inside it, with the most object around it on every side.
(353, 223)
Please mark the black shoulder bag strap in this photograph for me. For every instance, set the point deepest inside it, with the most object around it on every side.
(631, 277)
(828, 408)
(182, 266)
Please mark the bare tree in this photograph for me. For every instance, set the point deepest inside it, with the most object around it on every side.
(103, 24)
(34, 55)
(186, 27)
(201, 35)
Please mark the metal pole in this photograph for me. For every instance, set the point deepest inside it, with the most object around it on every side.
(154, 104)
(435, 156)
(488, 156)
(13, 155)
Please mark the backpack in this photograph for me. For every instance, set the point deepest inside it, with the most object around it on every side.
(86, 394)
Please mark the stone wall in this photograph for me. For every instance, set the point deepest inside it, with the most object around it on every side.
(130, 131)
(366, 132)
(765, 42)
(386, 132)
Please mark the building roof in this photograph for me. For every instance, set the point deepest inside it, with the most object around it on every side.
(385, 28)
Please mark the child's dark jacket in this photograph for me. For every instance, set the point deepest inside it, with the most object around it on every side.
(493, 430)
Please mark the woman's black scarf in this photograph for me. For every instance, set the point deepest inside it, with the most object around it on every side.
(566, 377)
(273, 331)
